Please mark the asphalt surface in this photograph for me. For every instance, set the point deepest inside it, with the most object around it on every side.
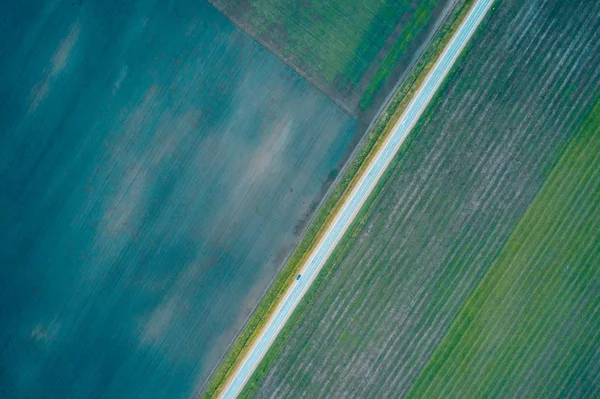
(356, 199)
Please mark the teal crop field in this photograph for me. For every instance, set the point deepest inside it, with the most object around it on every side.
(157, 166)
(353, 50)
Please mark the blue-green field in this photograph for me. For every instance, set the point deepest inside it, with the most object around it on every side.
(156, 168)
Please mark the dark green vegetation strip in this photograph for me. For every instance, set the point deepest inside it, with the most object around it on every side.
(413, 28)
(339, 44)
(532, 327)
(368, 148)
(447, 205)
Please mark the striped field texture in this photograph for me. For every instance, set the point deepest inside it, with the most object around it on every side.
(532, 327)
(157, 167)
(450, 201)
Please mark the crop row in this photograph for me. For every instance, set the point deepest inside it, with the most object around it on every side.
(532, 327)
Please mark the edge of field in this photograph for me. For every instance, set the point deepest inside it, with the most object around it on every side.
(336, 197)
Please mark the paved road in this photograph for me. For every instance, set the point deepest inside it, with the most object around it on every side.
(356, 199)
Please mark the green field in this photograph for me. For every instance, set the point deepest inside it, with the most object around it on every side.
(532, 327)
(445, 209)
(349, 49)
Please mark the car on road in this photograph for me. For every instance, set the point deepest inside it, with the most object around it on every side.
(298, 278)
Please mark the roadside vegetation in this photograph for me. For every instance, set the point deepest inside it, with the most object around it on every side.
(445, 209)
(414, 27)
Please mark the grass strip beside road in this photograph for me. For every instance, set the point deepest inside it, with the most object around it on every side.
(328, 209)
(414, 27)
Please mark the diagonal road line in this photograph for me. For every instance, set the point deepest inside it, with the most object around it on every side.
(356, 199)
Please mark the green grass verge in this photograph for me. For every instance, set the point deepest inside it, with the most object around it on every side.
(414, 27)
(532, 326)
(335, 198)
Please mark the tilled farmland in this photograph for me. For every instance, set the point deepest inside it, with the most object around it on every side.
(451, 200)
(531, 327)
